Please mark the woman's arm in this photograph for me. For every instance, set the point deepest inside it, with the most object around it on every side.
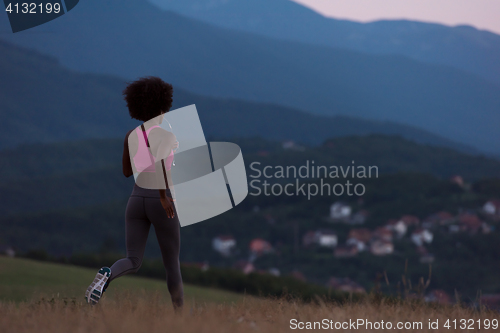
(127, 166)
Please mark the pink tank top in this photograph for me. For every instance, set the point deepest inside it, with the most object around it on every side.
(144, 161)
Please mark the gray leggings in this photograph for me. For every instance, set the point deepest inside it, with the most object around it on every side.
(143, 209)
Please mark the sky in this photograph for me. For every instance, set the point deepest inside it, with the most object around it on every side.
(482, 14)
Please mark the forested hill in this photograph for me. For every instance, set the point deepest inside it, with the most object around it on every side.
(48, 176)
(41, 101)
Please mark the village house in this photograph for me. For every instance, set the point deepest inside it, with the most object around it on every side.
(398, 226)
(7, 251)
(486, 228)
(244, 266)
(345, 284)
(261, 272)
(445, 218)
(410, 220)
(324, 238)
(360, 245)
(383, 233)
(259, 246)
(426, 258)
(345, 251)
(457, 180)
(309, 239)
(359, 237)
(359, 217)
(327, 238)
(291, 145)
(469, 222)
(421, 250)
(419, 236)
(224, 244)
(361, 234)
(298, 275)
(288, 144)
(438, 296)
(270, 219)
(204, 266)
(381, 247)
(492, 301)
(492, 207)
(340, 211)
(440, 218)
(274, 271)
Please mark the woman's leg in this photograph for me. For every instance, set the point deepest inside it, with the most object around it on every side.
(168, 233)
(137, 228)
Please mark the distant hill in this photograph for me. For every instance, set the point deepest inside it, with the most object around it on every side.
(36, 178)
(463, 47)
(62, 213)
(41, 101)
(47, 279)
(132, 38)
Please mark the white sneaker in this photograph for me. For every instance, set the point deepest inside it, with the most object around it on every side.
(98, 286)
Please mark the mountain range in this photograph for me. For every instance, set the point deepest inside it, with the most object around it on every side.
(463, 46)
(41, 101)
(132, 38)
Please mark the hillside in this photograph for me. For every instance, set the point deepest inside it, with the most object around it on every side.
(55, 198)
(28, 280)
(38, 177)
(463, 47)
(66, 105)
(138, 312)
(209, 60)
(284, 221)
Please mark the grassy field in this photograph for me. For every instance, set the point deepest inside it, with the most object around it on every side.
(42, 297)
(26, 280)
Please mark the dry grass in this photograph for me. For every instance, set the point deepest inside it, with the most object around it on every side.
(151, 313)
(55, 304)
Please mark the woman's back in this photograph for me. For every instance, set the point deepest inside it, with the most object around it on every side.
(146, 161)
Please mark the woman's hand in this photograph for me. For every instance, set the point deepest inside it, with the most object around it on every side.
(167, 204)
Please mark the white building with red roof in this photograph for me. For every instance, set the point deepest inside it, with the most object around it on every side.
(322, 237)
(421, 236)
(381, 247)
(492, 207)
(260, 246)
(224, 244)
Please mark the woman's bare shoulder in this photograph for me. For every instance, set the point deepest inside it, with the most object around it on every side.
(128, 133)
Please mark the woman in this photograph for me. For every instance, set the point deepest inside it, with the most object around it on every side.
(147, 154)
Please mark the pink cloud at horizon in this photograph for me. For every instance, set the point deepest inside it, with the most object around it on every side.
(482, 14)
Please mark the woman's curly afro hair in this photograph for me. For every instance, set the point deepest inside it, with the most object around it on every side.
(148, 97)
